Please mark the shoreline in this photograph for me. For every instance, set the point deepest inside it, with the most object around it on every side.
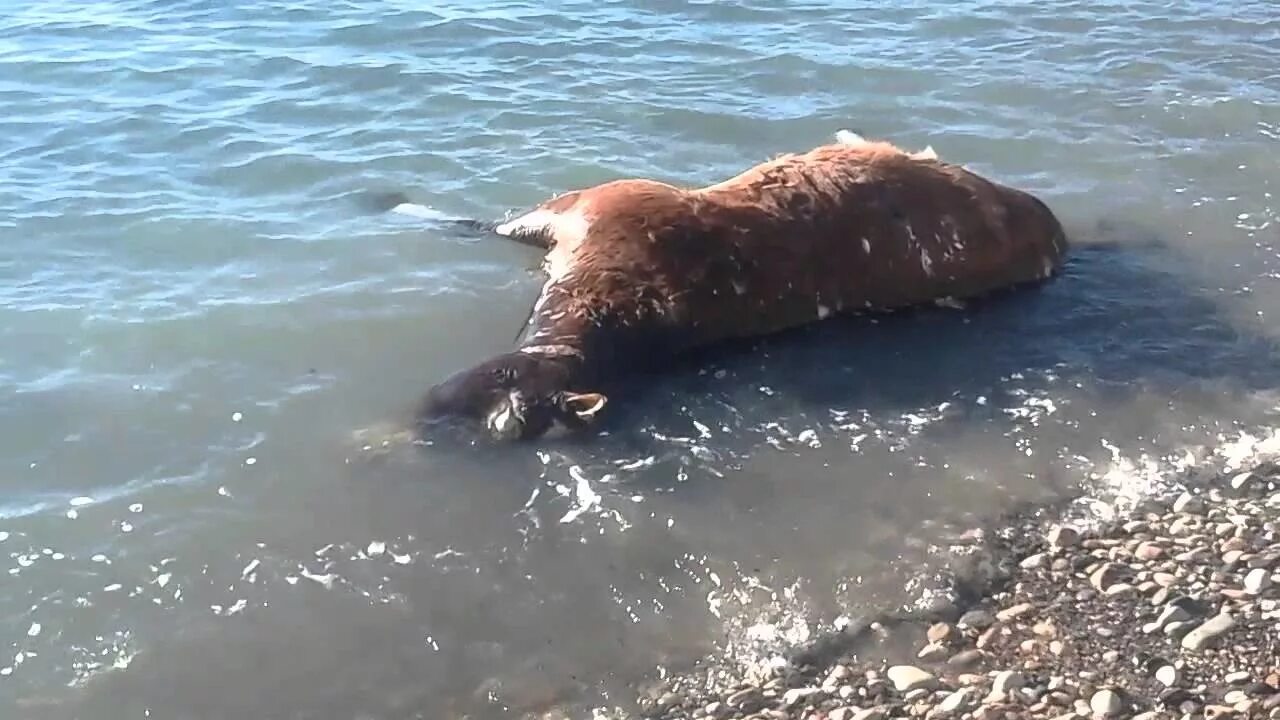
(1167, 607)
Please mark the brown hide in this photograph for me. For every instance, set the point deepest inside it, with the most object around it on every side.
(641, 268)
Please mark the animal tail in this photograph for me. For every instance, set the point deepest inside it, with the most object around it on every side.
(400, 204)
(419, 211)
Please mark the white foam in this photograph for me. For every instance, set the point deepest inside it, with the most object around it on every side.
(586, 498)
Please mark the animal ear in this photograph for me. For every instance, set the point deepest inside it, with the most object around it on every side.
(583, 405)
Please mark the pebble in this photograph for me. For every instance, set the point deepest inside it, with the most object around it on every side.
(939, 632)
(1239, 677)
(1257, 580)
(1106, 703)
(1208, 633)
(1148, 551)
(1034, 562)
(1014, 611)
(1164, 579)
(976, 619)
(875, 713)
(1188, 503)
(742, 697)
(1179, 630)
(795, 695)
(1063, 536)
(1242, 480)
(1168, 676)
(933, 651)
(841, 713)
(1006, 682)
(1105, 576)
(966, 658)
(957, 702)
(1170, 614)
(836, 676)
(908, 677)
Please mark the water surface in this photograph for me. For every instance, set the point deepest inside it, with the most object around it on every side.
(198, 307)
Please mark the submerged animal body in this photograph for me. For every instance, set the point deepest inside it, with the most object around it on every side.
(640, 271)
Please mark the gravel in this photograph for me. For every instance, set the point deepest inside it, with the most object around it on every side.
(1167, 610)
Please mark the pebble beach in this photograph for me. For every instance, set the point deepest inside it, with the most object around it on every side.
(1169, 608)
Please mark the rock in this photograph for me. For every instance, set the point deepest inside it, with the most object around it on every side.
(1172, 613)
(1107, 575)
(1063, 536)
(987, 637)
(1148, 552)
(1188, 503)
(1045, 629)
(1242, 480)
(1149, 715)
(1179, 630)
(845, 692)
(908, 677)
(933, 652)
(1034, 562)
(1168, 676)
(1234, 697)
(1218, 712)
(957, 702)
(1006, 682)
(743, 698)
(875, 713)
(976, 619)
(1120, 589)
(841, 713)
(1257, 580)
(1234, 544)
(796, 695)
(1015, 611)
(1207, 634)
(1111, 656)
(1237, 678)
(966, 659)
(1194, 555)
(1106, 703)
(940, 632)
(1164, 579)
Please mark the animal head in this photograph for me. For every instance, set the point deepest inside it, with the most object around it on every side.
(516, 396)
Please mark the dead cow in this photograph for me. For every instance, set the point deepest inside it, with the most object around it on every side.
(640, 271)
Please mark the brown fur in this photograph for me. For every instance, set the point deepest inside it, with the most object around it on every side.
(644, 270)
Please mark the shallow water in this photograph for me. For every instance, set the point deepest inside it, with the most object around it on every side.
(199, 306)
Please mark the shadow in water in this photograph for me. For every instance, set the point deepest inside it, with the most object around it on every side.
(1121, 317)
